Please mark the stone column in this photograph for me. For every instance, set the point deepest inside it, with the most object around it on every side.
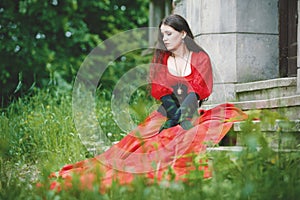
(241, 37)
(158, 9)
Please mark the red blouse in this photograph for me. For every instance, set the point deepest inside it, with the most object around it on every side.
(199, 81)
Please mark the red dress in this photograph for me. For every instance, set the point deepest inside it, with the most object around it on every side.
(200, 80)
(145, 151)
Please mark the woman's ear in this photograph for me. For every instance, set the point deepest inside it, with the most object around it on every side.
(183, 34)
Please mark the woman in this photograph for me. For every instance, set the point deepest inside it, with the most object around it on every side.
(184, 75)
(181, 78)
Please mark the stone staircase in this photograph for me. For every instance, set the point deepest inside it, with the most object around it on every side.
(279, 95)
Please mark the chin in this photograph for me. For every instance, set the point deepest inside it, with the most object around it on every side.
(170, 49)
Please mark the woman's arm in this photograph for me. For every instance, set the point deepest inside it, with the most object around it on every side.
(159, 86)
(202, 83)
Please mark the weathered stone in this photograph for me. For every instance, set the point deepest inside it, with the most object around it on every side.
(267, 89)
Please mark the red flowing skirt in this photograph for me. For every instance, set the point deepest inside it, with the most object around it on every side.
(148, 153)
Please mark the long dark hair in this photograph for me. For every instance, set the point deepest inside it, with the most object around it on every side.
(179, 24)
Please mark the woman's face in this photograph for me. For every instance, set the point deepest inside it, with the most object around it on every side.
(171, 38)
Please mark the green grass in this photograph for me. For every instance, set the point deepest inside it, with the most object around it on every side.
(38, 136)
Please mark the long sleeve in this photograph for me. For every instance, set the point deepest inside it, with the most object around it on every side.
(202, 82)
(159, 85)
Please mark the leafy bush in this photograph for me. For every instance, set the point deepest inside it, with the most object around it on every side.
(40, 39)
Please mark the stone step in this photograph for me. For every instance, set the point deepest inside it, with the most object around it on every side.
(286, 106)
(282, 134)
(282, 125)
(267, 89)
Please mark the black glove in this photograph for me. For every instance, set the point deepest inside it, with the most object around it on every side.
(173, 114)
(187, 109)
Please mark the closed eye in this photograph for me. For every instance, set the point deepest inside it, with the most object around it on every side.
(167, 33)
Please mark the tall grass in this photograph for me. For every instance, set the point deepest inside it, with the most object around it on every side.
(38, 136)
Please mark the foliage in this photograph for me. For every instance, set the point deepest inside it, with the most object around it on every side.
(38, 137)
(43, 41)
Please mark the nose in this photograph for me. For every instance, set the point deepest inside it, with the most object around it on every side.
(164, 38)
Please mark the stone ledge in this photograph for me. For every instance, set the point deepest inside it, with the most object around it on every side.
(225, 148)
(271, 93)
(280, 102)
(266, 84)
(284, 126)
(280, 135)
